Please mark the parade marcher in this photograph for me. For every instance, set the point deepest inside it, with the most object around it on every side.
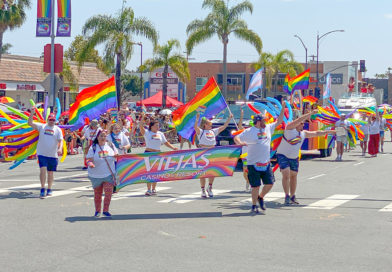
(288, 154)
(119, 139)
(374, 134)
(370, 90)
(207, 139)
(365, 129)
(258, 140)
(89, 135)
(50, 145)
(351, 86)
(383, 127)
(101, 171)
(154, 139)
(341, 128)
(364, 89)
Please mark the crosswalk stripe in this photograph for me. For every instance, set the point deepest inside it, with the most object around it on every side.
(138, 192)
(387, 208)
(191, 197)
(75, 190)
(272, 196)
(331, 202)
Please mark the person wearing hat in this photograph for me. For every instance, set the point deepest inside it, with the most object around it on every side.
(90, 133)
(341, 128)
(50, 145)
(258, 140)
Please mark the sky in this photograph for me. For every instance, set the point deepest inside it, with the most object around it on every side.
(367, 25)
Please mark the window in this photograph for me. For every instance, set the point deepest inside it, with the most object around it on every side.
(200, 82)
(232, 79)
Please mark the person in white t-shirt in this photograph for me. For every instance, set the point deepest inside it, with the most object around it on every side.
(288, 154)
(374, 134)
(154, 139)
(383, 126)
(89, 135)
(207, 139)
(341, 128)
(101, 159)
(258, 140)
(119, 139)
(50, 145)
(365, 129)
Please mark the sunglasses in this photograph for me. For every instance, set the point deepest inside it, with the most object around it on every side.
(52, 119)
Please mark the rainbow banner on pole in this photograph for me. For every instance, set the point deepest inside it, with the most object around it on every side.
(44, 18)
(64, 18)
(176, 165)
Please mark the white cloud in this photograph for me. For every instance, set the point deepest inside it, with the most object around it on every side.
(388, 16)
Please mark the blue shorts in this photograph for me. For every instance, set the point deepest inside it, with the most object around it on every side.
(255, 177)
(382, 134)
(48, 162)
(285, 162)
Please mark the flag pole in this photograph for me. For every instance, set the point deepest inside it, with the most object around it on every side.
(227, 106)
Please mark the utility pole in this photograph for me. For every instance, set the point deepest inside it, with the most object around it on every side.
(52, 95)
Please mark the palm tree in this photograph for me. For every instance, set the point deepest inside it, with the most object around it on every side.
(5, 49)
(166, 59)
(222, 21)
(12, 15)
(116, 33)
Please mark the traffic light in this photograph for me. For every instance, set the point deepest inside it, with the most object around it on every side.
(362, 67)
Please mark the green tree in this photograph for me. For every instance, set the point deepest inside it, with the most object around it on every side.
(116, 33)
(131, 85)
(164, 57)
(5, 49)
(222, 21)
(12, 15)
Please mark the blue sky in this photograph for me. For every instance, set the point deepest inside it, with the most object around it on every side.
(367, 25)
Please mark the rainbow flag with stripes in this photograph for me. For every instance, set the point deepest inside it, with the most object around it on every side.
(92, 102)
(209, 98)
(300, 82)
(44, 20)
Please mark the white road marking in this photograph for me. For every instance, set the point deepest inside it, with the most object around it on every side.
(71, 191)
(188, 198)
(271, 196)
(331, 202)
(138, 192)
(321, 175)
(359, 163)
(387, 208)
(37, 180)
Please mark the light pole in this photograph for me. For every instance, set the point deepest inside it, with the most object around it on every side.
(317, 62)
(141, 72)
(306, 51)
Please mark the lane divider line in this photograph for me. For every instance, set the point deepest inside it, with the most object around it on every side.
(318, 176)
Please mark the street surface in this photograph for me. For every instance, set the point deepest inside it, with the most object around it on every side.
(343, 222)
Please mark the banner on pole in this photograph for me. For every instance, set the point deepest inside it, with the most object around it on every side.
(44, 18)
(177, 165)
(64, 18)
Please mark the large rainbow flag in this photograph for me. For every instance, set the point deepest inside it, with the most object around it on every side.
(209, 98)
(300, 82)
(92, 102)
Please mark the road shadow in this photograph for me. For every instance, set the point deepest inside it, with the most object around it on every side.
(18, 195)
(121, 217)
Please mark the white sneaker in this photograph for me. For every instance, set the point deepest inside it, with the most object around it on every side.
(148, 193)
(203, 193)
(209, 191)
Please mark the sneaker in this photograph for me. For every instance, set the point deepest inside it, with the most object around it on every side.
(287, 200)
(49, 192)
(148, 193)
(382, 150)
(97, 214)
(293, 200)
(84, 167)
(42, 193)
(154, 192)
(254, 209)
(209, 191)
(261, 203)
(203, 193)
(107, 214)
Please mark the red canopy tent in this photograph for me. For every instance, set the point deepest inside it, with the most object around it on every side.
(156, 101)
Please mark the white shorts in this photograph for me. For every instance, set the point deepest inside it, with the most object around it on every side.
(342, 139)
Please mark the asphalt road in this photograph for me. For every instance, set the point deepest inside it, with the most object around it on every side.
(343, 222)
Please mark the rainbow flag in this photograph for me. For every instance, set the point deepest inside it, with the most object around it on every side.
(300, 82)
(92, 102)
(309, 99)
(210, 97)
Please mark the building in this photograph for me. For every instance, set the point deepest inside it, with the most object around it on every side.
(21, 78)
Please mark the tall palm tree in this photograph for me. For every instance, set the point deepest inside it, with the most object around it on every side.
(222, 21)
(116, 33)
(12, 15)
(164, 57)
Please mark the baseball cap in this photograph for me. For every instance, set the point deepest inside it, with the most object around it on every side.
(258, 117)
(52, 117)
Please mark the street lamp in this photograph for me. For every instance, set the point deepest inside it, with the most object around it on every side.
(141, 72)
(318, 39)
(306, 52)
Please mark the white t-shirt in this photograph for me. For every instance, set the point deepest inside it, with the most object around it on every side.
(291, 150)
(365, 129)
(121, 141)
(374, 127)
(208, 137)
(154, 140)
(91, 134)
(259, 143)
(101, 169)
(339, 126)
(49, 138)
(383, 124)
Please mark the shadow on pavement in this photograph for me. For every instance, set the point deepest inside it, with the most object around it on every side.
(19, 195)
(145, 216)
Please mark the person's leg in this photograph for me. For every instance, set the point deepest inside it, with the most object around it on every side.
(255, 195)
(265, 190)
(293, 182)
(365, 143)
(202, 186)
(377, 144)
(189, 144)
(108, 189)
(245, 173)
(209, 188)
(211, 181)
(181, 143)
(286, 180)
(50, 179)
(338, 146)
(382, 141)
(42, 176)
(153, 187)
(98, 198)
